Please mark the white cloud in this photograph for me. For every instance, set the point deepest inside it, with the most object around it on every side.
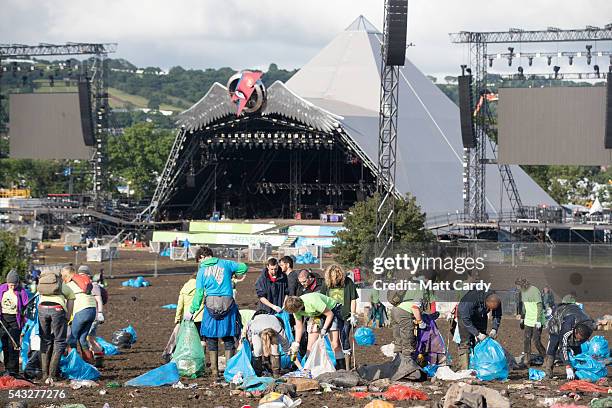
(240, 33)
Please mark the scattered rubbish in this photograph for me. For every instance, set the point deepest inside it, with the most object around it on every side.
(189, 354)
(584, 386)
(604, 323)
(124, 338)
(113, 384)
(73, 367)
(399, 368)
(601, 402)
(318, 361)
(388, 350)
(7, 382)
(306, 258)
(254, 383)
(549, 401)
(529, 397)
(445, 373)
(473, 395)
(106, 405)
(396, 392)
(304, 384)
(76, 384)
(139, 282)
(519, 386)
(340, 378)
(108, 348)
(489, 361)
(102, 392)
(298, 374)
(379, 404)
(182, 386)
(536, 375)
(364, 336)
(431, 369)
(164, 375)
(240, 364)
(170, 306)
(277, 400)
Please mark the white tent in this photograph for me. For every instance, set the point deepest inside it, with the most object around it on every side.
(344, 79)
(596, 207)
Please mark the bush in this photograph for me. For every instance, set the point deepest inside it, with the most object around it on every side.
(11, 255)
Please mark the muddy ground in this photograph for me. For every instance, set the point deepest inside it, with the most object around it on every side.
(141, 307)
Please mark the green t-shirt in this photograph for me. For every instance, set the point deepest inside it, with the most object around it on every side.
(531, 297)
(344, 295)
(412, 298)
(315, 304)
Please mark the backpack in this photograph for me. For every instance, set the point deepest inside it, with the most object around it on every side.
(83, 282)
(395, 297)
(104, 294)
(49, 283)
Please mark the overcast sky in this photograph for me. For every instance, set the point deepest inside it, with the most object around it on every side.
(242, 33)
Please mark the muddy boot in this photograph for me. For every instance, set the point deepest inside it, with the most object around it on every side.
(548, 366)
(213, 359)
(229, 354)
(340, 364)
(258, 366)
(275, 362)
(54, 368)
(525, 360)
(44, 365)
(463, 361)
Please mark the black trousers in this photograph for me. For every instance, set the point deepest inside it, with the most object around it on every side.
(535, 335)
(468, 340)
(11, 356)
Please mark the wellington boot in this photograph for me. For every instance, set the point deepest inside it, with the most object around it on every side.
(44, 365)
(213, 359)
(54, 367)
(275, 362)
(548, 366)
(258, 366)
(463, 361)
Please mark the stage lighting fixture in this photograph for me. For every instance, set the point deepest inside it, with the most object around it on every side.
(588, 48)
(469, 71)
(549, 60)
(530, 61)
(490, 62)
(556, 69)
(596, 68)
(511, 49)
(571, 60)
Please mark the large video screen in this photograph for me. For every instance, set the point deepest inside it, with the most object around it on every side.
(553, 125)
(46, 126)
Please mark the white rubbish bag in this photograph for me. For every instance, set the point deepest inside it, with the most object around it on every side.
(318, 361)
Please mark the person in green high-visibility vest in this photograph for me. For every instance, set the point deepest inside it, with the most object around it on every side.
(532, 319)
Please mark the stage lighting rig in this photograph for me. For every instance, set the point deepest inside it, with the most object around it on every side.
(511, 50)
(588, 48)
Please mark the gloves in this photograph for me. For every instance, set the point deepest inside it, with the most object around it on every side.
(323, 332)
(570, 373)
(422, 325)
(538, 325)
(347, 353)
(100, 317)
(277, 309)
(481, 337)
(353, 319)
(522, 324)
(493, 334)
(295, 347)
(188, 316)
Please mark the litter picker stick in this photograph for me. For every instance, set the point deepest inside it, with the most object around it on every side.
(354, 354)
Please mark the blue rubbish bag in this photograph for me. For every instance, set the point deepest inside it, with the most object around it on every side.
(25, 346)
(108, 348)
(285, 358)
(73, 367)
(587, 368)
(365, 336)
(536, 375)
(597, 348)
(254, 383)
(240, 364)
(131, 330)
(430, 369)
(489, 361)
(164, 375)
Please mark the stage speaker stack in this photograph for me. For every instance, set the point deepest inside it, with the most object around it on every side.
(396, 27)
(608, 139)
(466, 107)
(86, 114)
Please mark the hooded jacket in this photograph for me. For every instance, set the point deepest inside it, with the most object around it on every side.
(186, 295)
(275, 291)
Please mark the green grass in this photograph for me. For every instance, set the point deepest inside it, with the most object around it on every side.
(120, 99)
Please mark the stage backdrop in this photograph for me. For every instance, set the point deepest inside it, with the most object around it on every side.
(556, 125)
(46, 126)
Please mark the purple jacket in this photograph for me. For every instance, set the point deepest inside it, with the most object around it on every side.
(22, 300)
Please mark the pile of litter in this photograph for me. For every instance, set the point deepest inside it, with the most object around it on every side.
(306, 258)
(139, 282)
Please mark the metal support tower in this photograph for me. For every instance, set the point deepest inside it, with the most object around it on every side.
(475, 159)
(99, 91)
(387, 147)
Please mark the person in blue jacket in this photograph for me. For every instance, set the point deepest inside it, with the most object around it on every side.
(221, 317)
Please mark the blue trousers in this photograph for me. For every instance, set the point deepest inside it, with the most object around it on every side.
(81, 324)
